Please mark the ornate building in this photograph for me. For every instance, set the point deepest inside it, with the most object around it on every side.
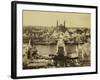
(61, 27)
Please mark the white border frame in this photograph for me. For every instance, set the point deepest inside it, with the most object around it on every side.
(21, 72)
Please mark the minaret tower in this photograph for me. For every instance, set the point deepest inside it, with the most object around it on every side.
(64, 23)
(57, 23)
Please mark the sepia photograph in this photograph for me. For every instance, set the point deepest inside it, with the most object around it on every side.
(56, 39)
(53, 40)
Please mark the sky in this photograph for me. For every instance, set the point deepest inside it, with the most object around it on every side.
(47, 18)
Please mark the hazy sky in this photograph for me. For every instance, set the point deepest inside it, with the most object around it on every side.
(43, 18)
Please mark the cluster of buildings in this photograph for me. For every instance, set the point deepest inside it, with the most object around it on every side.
(44, 35)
